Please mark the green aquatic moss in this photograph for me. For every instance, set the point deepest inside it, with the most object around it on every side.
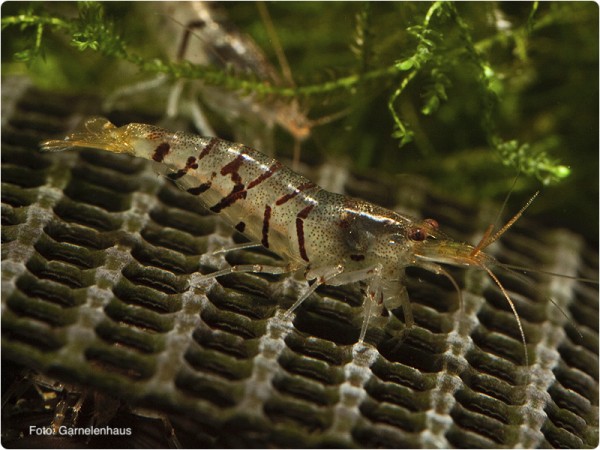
(424, 85)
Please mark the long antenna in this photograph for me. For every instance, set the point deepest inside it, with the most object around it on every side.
(510, 269)
(506, 198)
(276, 43)
(511, 222)
(514, 310)
(485, 239)
(513, 267)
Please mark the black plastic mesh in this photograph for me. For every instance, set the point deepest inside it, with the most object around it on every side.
(96, 254)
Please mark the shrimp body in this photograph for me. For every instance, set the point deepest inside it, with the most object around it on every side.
(335, 239)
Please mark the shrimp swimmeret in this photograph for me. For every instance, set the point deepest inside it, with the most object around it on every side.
(333, 238)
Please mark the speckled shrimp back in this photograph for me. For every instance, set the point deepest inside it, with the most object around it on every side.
(335, 239)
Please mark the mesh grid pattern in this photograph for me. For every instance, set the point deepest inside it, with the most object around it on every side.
(97, 252)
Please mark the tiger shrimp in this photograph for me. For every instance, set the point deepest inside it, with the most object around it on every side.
(333, 238)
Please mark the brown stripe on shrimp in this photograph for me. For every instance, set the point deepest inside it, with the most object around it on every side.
(265, 230)
(239, 191)
(208, 148)
(200, 189)
(190, 164)
(161, 152)
(265, 175)
(291, 195)
(300, 230)
(236, 193)
(233, 167)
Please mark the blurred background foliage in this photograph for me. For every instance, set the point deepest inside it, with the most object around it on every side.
(467, 95)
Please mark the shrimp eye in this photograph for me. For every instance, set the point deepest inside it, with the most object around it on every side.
(417, 234)
(432, 223)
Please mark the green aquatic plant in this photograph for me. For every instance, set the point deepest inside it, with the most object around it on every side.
(436, 78)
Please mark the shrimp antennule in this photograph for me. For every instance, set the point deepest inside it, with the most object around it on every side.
(509, 268)
(486, 240)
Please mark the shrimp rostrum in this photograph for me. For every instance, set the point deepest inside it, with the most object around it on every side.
(333, 238)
